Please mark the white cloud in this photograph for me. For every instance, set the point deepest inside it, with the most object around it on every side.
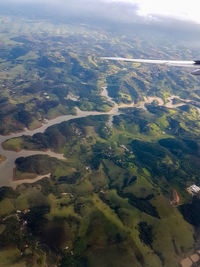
(179, 9)
(151, 9)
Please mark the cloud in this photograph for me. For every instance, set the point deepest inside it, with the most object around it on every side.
(150, 10)
(127, 17)
(101, 9)
(178, 9)
(165, 14)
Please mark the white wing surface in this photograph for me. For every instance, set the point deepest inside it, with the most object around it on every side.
(181, 63)
(178, 63)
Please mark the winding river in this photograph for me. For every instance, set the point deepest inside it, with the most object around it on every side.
(7, 166)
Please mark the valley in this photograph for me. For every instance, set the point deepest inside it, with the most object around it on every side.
(6, 168)
(96, 157)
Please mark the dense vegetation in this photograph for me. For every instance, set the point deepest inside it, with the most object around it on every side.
(113, 192)
(47, 75)
(110, 203)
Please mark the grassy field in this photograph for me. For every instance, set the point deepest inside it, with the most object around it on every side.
(108, 203)
(2, 158)
(13, 144)
(11, 257)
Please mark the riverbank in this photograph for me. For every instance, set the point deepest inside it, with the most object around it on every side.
(29, 181)
(7, 166)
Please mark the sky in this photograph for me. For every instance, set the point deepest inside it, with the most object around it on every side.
(187, 10)
(178, 9)
(178, 20)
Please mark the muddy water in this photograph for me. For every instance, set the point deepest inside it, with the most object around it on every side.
(115, 110)
(30, 181)
(6, 167)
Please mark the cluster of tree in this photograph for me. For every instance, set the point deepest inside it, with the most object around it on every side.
(39, 164)
(145, 233)
(191, 211)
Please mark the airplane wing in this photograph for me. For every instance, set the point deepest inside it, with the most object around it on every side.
(178, 63)
(152, 61)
